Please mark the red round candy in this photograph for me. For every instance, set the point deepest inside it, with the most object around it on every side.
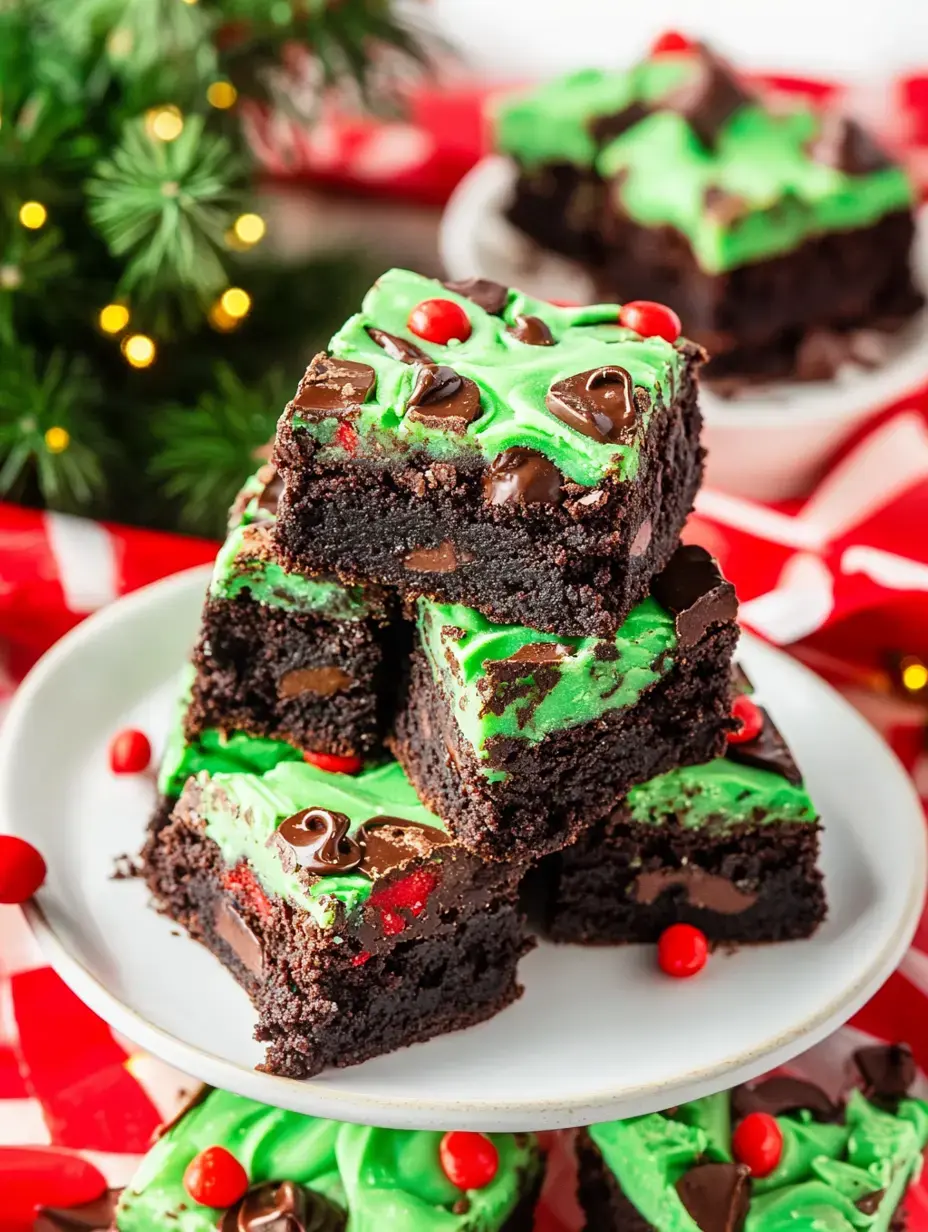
(758, 1143)
(439, 320)
(215, 1178)
(130, 752)
(670, 40)
(682, 950)
(469, 1161)
(651, 320)
(333, 763)
(22, 869)
(748, 713)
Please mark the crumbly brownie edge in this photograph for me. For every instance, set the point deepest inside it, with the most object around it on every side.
(571, 778)
(574, 569)
(602, 1201)
(559, 206)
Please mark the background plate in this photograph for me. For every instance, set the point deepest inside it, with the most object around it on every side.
(598, 1033)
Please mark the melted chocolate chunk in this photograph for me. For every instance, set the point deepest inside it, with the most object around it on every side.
(443, 559)
(191, 1099)
(323, 681)
(783, 1094)
(521, 474)
(708, 97)
(96, 1216)
(283, 1206)
(331, 386)
(716, 1195)
(767, 751)
(599, 403)
(317, 840)
(388, 842)
(606, 128)
(442, 398)
(486, 294)
(233, 929)
(532, 331)
(693, 590)
(843, 144)
(398, 348)
(540, 652)
(710, 891)
(887, 1070)
(869, 1204)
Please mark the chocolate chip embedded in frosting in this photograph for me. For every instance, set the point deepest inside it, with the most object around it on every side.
(443, 559)
(708, 97)
(767, 751)
(532, 331)
(693, 590)
(317, 839)
(711, 891)
(716, 1196)
(241, 939)
(599, 403)
(522, 474)
(96, 1216)
(846, 146)
(782, 1094)
(869, 1204)
(540, 652)
(283, 1206)
(605, 128)
(486, 294)
(388, 842)
(398, 348)
(323, 681)
(330, 386)
(887, 1070)
(442, 398)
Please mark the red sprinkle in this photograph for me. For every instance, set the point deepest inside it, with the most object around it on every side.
(242, 882)
(468, 1160)
(130, 752)
(22, 869)
(360, 959)
(439, 320)
(670, 40)
(346, 436)
(651, 320)
(333, 763)
(751, 718)
(215, 1178)
(758, 1143)
(682, 950)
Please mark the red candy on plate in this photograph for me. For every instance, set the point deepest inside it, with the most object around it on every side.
(651, 320)
(468, 1160)
(22, 869)
(751, 718)
(333, 763)
(682, 950)
(215, 1178)
(130, 752)
(439, 320)
(758, 1143)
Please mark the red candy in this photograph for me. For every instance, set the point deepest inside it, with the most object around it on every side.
(682, 950)
(215, 1178)
(130, 752)
(751, 718)
(439, 320)
(651, 320)
(758, 1143)
(22, 869)
(469, 1161)
(670, 40)
(333, 763)
(346, 436)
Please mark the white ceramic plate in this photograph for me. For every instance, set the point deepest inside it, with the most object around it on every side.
(598, 1033)
(766, 443)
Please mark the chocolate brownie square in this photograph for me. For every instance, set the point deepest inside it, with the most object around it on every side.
(521, 739)
(465, 443)
(342, 906)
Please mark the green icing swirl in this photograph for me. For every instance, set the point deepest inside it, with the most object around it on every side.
(513, 379)
(383, 1178)
(461, 647)
(242, 813)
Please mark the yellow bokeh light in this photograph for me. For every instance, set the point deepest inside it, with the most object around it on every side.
(914, 676)
(114, 318)
(33, 214)
(57, 440)
(221, 321)
(235, 302)
(249, 228)
(165, 123)
(139, 350)
(221, 95)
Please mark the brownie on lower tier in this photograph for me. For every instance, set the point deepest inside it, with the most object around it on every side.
(539, 469)
(731, 847)
(842, 1164)
(342, 906)
(520, 740)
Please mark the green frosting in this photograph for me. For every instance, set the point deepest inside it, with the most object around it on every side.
(513, 378)
(466, 653)
(242, 813)
(660, 170)
(824, 1168)
(382, 1178)
(721, 792)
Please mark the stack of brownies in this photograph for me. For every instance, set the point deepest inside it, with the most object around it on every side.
(465, 550)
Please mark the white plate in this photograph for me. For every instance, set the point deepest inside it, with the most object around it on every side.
(598, 1033)
(766, 443)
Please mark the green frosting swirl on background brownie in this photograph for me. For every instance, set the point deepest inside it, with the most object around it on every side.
(381, 1178)
(721, 792)
(491, 693)
(513, 379)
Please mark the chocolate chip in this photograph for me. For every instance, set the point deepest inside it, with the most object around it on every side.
(233, 929)
(887, 1070)
(843, 144)
(442, 398)
(521, 474)
(532, 331)
(605, 128)
(709, 891)
(599, 403)
(398, 348)
(709, 96)
(486, 294)
(540, 652)
(96, 1216)
(693, 590)
(388, 842)
(717, 1196)
(192, 1098)
(869, 1204)
(283, 1206)
(332, 385)
(767, 751)
(443, 559)
(322, 681)
(782, 1094)
(317, 839)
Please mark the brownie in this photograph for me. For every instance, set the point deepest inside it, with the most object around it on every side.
(287, 655)
(841, 1164)
(730, 846)
(775, 232)
(520, 739)
(538, 468)
(317, 1175)
(342, 906)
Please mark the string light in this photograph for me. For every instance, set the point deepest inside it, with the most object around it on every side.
(139, 350)
(11, 277)
(114, 318)
(33, 214)
(165, 123)
(236, 303)
(249, 228)
(220, 319)
(221, 95)
(914, 674)
(57, 440)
